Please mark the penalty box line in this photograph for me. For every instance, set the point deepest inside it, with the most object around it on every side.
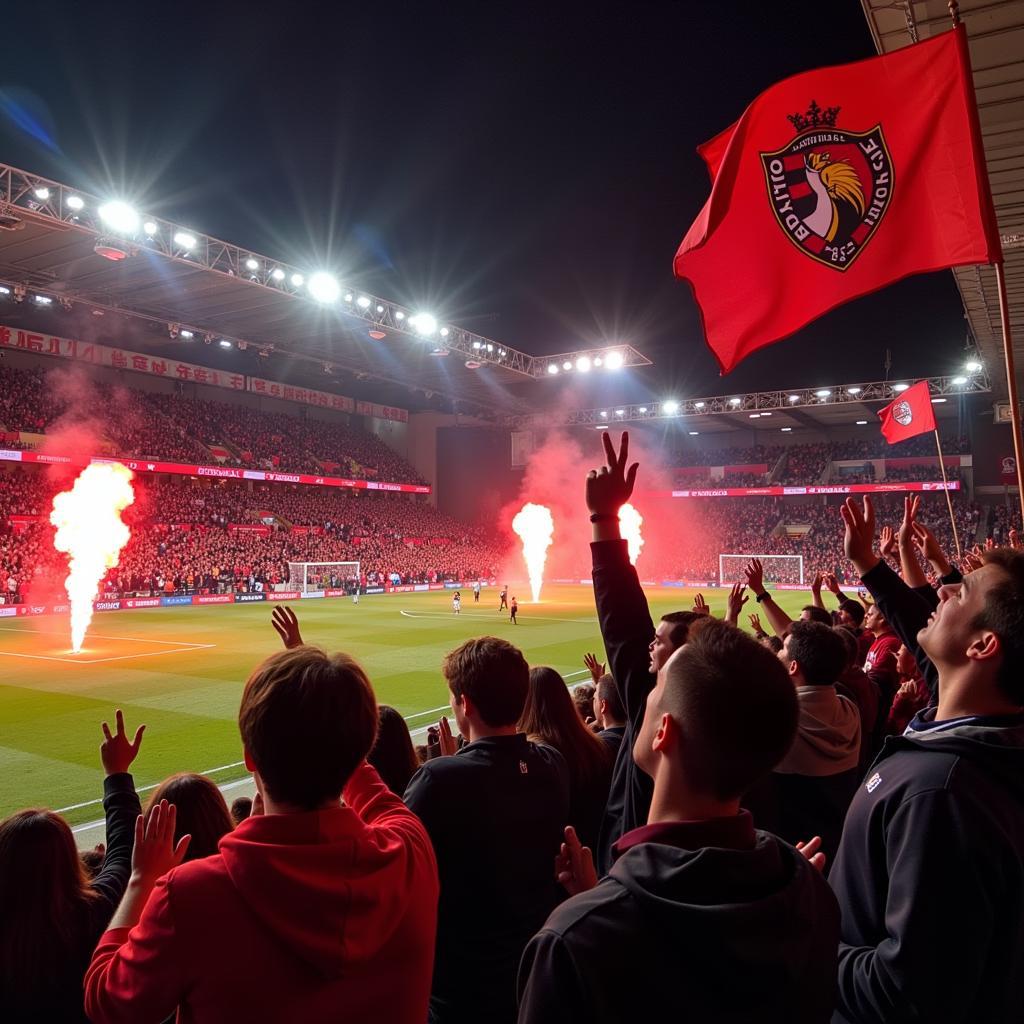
(175, 647)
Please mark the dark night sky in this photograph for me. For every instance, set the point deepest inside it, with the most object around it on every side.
(525, 174)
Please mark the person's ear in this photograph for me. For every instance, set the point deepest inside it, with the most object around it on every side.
(985, 647)
(250, 764)
(667, 736)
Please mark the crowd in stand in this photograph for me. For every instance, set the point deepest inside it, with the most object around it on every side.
(143, 424)
(814, 820)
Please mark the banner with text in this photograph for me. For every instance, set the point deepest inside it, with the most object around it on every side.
(779, 492)
(324, 399)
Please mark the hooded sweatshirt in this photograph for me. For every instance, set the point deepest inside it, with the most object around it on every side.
(930, 877)
(708, 933)
(307, 917)
(827, 736)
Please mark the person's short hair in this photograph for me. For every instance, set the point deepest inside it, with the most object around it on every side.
(493, 674)
(608, 691)
(845, 634)
(816, 614)
(680, 623)
(1004, 615)
(854, 609)
(774, 643)
(735, 706)
(308, 720)
(583, 698)
(820, 654)
(241, 808)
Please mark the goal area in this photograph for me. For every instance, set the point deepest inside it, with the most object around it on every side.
(777, 568)
(307, 577)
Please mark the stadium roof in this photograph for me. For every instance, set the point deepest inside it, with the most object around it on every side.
(996, 34)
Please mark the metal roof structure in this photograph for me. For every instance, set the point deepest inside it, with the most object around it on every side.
(995, 29)
(71, 246)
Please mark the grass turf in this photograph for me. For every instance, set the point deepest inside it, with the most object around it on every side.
(181, 671)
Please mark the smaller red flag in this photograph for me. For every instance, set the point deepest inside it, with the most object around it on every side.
(908, 415)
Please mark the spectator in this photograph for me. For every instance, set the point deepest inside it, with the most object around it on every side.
(912, 696)
(51, 914)
(241, 808)
(880, 664)
(495, 812)
(309, 911)
(626, 627)
(755, 921)
(931, 850)
(609, 713)
(200, 812)
(854, 683)
(550, 717)
(583, 700)
(393, 754)
(811, 787)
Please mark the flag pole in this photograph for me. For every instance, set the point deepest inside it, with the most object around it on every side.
(1011, 379)
(949, 500)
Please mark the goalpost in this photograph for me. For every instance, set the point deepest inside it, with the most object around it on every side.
(310, 576)
(777, 568)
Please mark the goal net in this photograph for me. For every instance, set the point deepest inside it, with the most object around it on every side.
(777, 568)
(310, 576)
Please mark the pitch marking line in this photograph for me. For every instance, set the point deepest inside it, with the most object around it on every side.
(176, 647)
(486, 617)
(103, 636)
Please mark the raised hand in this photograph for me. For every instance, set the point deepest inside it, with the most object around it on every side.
(754, 573)
(735, 602)
(811, 851)
(887, 540)
(925, 542)
(155, 852)
(286, 622)
(859, 538)
(816, 583)
(910, 504)
(1015, 540)
(594, 667)
(574, 865)
(445, 740)
(755, 624)
(610, 487)
(832, 583)
(116, 752)
(700, 606)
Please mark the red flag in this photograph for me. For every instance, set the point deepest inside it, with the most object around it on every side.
(908, 415)
(812, 206)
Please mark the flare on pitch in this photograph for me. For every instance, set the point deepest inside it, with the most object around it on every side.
(535, 527)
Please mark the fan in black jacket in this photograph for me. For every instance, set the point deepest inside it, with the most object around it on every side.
(930, 870)
(48, 984)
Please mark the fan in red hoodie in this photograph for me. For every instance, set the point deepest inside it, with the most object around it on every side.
(880, 664)
(316, 910)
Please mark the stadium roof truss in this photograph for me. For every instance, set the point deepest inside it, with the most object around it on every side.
(816, 407)
(995, 29)
(165, 272)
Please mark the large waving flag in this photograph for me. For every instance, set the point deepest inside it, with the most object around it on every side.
(813, 205)
(909, 414)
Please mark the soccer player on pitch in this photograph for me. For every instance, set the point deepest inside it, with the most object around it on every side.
(504, 598)
(457, 603)
(476, 592)
(512, 612)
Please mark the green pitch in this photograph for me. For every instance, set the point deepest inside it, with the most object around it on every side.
(181, 673)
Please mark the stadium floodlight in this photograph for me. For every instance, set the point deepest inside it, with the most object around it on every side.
(900, 387)
(490, 348)
(973, 366)
(400, 315)
(614, 361)
(598, 360)
(954, 380)
(41, 193)
(74, 202)
(43, 300)
(862, 423)
(476, 344)
(938, 401)
(643, 408)
(699, 405)
(604, 414)
(766, 414)
(224, 343)
(552, 368)
(298, 280)
(794, 398)
(583, 364)
(423, 323)
(823, 393)
(567, 365)
(786, 430)
(363, 302)
(251, 264)
(380, 309)
(853, 391)
(184, 240)
(277, 274)
(120, 217)
(4, 290)
(620, 412)
(735, 401)
(670, 407)
(444, 333)
(694, 433)
(150, 227)
(324, 287)
(755, 415)
(186, 334)
(348, 296)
